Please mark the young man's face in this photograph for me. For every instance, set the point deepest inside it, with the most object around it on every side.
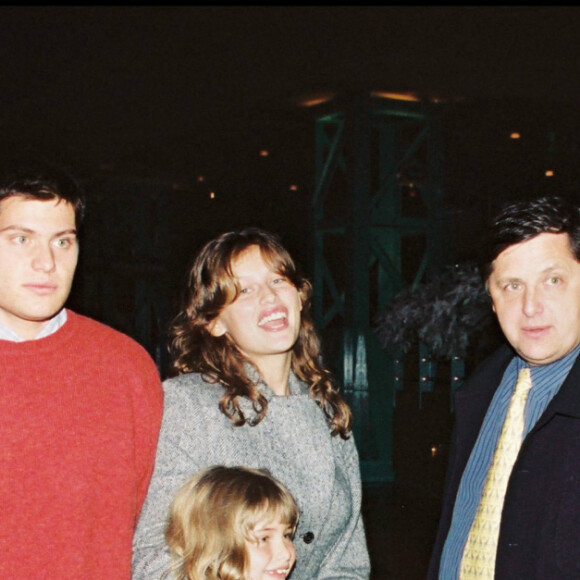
(38, 257)
(535, 290)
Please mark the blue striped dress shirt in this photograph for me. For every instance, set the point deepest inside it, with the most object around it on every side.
(546, 380)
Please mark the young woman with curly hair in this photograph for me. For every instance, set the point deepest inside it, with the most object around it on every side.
(251, 390)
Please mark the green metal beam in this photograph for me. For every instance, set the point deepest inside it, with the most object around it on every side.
(367, 152)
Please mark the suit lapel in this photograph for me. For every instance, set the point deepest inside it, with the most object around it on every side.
(566, 401)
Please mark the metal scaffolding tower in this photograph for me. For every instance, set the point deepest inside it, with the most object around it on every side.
(377, 221)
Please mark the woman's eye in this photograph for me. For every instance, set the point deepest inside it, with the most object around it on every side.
(63, 243)
(19, 240)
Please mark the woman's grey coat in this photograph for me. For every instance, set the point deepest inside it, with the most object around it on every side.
(293, 442)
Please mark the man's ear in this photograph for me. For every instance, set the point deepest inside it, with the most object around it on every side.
(216, 327)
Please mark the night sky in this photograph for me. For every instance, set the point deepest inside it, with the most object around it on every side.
(174, 84)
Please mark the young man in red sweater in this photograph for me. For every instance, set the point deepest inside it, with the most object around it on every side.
(80, 404)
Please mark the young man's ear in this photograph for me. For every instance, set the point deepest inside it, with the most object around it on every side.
(216, 327)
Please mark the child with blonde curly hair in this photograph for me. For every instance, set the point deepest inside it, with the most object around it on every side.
(232, 523)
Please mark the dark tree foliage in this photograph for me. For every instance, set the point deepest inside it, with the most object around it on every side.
(448, 314)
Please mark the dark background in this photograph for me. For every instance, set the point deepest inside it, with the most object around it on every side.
(189, 89)
(154, 109)
(173, 94)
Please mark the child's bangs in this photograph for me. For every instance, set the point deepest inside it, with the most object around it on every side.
(281, 508)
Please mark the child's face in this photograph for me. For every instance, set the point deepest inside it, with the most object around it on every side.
(272, 553)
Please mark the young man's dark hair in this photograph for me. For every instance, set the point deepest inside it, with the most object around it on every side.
(43, 183)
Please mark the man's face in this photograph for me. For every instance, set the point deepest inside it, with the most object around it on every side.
(535, 290)
(38, 257)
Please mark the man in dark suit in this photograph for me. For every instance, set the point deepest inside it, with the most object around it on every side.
(532, 273)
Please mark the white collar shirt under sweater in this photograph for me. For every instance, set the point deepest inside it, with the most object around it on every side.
(49, 328)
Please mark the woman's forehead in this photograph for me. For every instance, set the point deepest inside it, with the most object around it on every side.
(252, 258)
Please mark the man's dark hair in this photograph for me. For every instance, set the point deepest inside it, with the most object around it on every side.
(524, 220)
(42, 183)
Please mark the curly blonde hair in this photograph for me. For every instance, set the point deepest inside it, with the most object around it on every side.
(211, 286)
(214, 514)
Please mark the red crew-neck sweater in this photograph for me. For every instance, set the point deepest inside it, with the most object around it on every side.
(79, 417)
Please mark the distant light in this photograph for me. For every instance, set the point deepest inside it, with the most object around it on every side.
(549, 173)
(176, 186)
(293, 188)
(396, 96)
(212, 195)
(314, 102)
(315, 99)
(433, 451)
(515, 135)
(201, 178)
(264, 153)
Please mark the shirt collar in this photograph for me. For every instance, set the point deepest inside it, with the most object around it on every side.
(562, 365)
(50, 327)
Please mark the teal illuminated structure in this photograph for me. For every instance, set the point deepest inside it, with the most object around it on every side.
(377, 229)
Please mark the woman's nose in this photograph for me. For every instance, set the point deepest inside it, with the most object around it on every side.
(267, 294)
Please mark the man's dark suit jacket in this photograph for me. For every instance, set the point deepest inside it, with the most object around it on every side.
(540, 528)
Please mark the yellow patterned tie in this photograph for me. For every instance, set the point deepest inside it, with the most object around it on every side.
(480, 550)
